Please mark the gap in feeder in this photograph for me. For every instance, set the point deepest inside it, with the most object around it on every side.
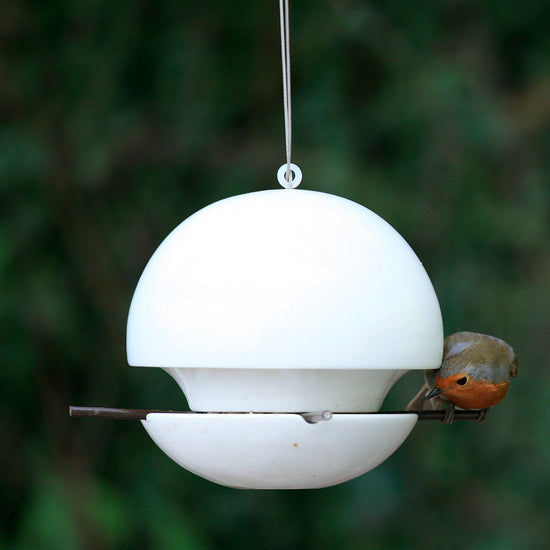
(400, 393)
(158, 391)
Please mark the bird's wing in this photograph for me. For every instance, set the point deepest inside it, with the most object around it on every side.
(420, 403)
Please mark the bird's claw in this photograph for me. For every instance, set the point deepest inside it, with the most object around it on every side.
(449, 416)
(482, 416)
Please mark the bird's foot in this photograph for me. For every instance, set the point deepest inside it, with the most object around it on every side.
(482, 416)
(449, 414)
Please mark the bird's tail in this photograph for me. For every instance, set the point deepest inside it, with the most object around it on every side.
(420, 403)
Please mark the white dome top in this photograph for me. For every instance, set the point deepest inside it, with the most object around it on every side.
(285, 279)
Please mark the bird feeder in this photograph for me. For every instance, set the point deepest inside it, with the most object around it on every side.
(285, 316)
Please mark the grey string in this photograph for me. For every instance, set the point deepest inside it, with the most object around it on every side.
(285, 58)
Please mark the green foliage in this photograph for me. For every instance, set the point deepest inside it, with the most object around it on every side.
(119, 119)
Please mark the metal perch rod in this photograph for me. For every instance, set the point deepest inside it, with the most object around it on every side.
(141, 414)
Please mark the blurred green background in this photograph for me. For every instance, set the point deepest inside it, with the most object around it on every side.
(120, 118)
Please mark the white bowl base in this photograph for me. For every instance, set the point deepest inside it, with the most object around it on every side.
(278, 450)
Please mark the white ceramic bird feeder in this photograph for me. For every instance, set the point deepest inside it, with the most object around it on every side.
(271, 304)
(285, 316)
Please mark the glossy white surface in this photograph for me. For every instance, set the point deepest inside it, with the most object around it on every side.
(285, 279)
(284, 390)
(278, 451)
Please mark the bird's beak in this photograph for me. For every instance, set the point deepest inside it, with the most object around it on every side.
(433, 393)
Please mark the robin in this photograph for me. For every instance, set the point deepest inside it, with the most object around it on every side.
(475, 374)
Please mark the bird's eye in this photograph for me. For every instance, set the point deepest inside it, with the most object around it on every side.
(462, 381)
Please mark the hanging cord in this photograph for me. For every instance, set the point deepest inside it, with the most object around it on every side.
(289, 175)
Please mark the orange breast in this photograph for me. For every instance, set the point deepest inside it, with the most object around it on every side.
(477, 395)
